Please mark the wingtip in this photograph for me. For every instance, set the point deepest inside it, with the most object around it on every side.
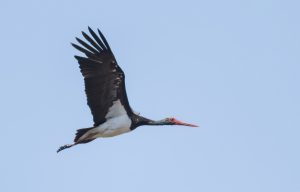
(77, 57)
(74, 45)
(100, 33)
(104, 39)
(90, 30)
(77, 39)
(83, 33)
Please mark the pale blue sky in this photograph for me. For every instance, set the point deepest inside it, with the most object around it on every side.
(231, 67)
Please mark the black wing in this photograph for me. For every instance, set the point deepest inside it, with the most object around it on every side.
(104, 79)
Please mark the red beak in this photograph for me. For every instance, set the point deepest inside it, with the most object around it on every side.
(184, 124)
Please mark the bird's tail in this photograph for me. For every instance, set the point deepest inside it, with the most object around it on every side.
(79, 133)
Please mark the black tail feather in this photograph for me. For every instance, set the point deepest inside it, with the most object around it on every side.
(81, 132)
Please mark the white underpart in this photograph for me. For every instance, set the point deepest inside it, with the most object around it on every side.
(117, 122)
(117, 109)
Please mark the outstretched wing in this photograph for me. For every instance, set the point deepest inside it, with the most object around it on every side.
(104, 79)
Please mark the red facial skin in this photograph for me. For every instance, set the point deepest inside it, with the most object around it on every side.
(177, 122)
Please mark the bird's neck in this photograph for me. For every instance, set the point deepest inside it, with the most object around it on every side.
(159, 122)
(139, 121)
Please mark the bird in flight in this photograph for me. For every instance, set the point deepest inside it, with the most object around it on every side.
(106, 94)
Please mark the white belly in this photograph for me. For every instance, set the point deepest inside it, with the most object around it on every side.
(112, 127)
(117, 122)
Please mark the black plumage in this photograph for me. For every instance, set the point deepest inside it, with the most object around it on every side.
(104, 79)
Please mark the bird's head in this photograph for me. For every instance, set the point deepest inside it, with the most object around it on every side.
(139, 120)
(173, 121)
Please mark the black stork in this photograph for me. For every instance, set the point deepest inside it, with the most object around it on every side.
(106, 94)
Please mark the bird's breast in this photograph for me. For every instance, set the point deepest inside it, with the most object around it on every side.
(114, 126)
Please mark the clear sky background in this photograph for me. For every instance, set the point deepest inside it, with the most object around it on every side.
(232, 67)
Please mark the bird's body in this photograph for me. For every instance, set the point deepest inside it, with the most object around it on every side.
(117, 123)
(106, 93)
